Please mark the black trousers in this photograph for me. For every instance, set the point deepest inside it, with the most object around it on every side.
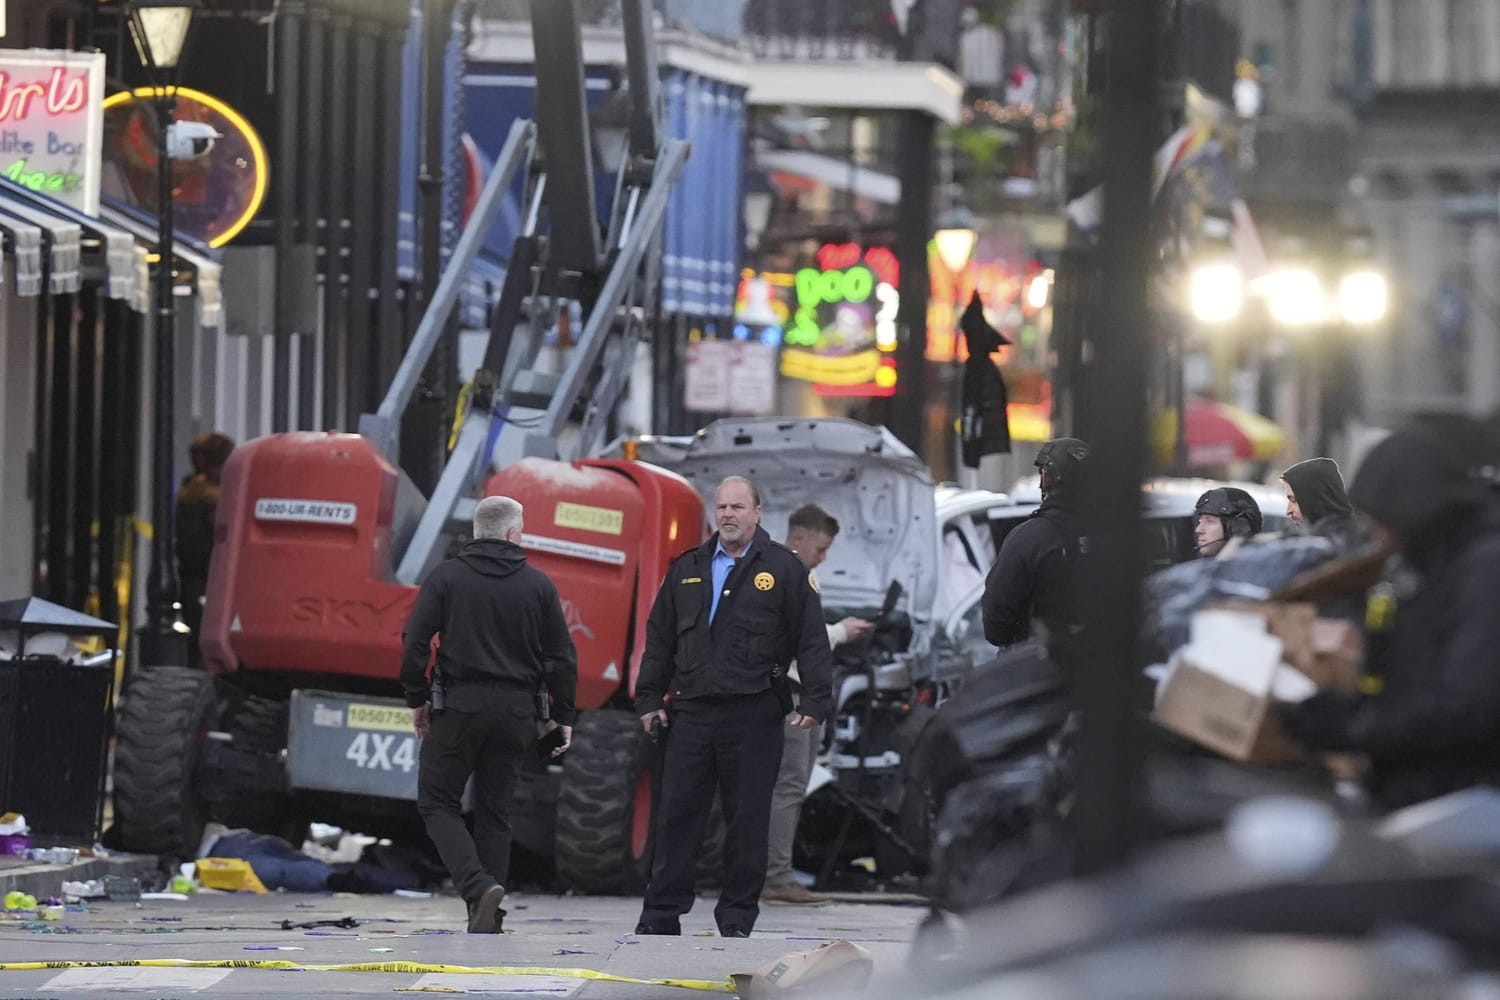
(487, 744)
(732, 745)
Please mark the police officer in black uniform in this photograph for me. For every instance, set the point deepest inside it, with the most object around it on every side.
(1222, 513)
(1032, 579)
(729, 619)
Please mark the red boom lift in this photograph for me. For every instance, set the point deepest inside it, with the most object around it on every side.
(321, 539)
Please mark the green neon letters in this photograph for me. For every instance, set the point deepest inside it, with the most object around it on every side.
(40, 180)
(816, 288)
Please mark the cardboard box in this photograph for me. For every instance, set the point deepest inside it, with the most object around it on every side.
(1291, 622)
(831, 967)
(1330, 651)
(1217, 714)
(1221, 686)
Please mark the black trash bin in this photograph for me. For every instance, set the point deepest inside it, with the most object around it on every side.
(55, 723)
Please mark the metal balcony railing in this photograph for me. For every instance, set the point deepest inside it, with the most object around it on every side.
(822, 29)
(788, 29)
(721, 20)
(853, 30)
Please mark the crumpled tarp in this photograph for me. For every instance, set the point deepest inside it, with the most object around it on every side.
(1251, 574)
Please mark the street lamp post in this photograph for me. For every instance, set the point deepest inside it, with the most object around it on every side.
(955, 237)
(160, 30)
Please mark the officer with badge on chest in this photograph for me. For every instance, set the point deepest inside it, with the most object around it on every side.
(730, 617)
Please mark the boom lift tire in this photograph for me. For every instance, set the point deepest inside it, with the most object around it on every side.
(166, 712)
(604, 807)
(257, 726)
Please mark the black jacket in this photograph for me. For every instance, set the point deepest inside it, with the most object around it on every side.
(500, 624)
(1435, 725)
(769, 615)
(1033, 576)
(197, 503)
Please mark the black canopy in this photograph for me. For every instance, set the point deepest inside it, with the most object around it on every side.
(31, 615)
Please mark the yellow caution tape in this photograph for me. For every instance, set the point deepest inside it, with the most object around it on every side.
(282, 965)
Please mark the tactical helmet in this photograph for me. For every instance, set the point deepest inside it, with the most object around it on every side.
(1056, 460)
(1234, 507)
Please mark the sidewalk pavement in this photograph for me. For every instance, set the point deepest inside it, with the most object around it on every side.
(561, 945)
(45, 881)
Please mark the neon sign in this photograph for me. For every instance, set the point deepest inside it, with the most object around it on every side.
(51, 123)
(1002, 289)
(215, 196)
(844, 324)
(41, 180)
(62, 94)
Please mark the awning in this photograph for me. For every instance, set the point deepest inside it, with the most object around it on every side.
(42, 230)
(61, 244)
(700, 268)
(51, 238)
(861, 181)
(203, 259)
(24, 242)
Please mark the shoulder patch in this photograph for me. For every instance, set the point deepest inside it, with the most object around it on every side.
(812, 581)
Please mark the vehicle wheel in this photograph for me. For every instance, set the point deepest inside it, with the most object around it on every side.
(258, 727)
(604, 807)
(157, 808)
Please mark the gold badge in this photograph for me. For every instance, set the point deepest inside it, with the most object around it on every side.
(764, 581)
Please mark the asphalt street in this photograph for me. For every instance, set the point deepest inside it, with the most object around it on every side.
(552, 945)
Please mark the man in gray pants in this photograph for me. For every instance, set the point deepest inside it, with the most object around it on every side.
(810, 531)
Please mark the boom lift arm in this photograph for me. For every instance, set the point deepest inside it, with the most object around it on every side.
(556, 264)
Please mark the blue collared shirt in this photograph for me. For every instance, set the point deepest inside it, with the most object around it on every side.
(719, 568)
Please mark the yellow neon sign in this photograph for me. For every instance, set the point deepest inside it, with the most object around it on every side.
(260, 162)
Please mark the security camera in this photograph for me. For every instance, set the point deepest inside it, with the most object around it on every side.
(190, 140)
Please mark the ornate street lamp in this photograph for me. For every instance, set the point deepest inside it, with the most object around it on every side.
(160, 30)
(955, 237)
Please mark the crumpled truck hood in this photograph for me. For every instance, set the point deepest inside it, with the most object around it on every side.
(878, 489)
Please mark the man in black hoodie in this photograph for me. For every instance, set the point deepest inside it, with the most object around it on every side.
(1317, 502)
(1033, 575)
(502, 636)
(1435, 725)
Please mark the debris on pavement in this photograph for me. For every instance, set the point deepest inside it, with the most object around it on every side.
(348, 923)
(835, 966)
